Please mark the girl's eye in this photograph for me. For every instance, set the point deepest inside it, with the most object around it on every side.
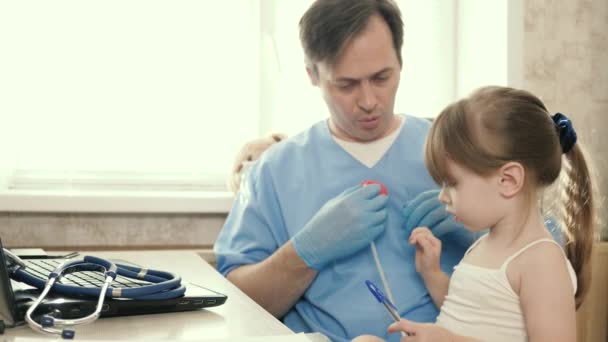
(449, 184)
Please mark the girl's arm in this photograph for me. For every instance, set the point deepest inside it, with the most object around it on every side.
(437, 283)
(426, 332)
(428, 252)
(546, 294)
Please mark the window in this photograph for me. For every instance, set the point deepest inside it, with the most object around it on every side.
(142, 98)
(126, 95)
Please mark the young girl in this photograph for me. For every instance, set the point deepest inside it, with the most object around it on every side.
(493, 153)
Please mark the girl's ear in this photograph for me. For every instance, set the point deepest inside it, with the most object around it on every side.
(511, 178)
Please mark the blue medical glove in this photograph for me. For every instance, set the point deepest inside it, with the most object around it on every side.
(425, 210)
(343, 226)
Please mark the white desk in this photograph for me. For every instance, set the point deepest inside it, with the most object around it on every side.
(239, 316)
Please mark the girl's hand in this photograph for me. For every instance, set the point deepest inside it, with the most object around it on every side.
(421, 332)
(428, 251)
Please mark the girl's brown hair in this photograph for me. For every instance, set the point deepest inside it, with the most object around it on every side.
(495, 125)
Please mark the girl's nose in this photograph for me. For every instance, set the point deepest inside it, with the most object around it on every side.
(443, 197)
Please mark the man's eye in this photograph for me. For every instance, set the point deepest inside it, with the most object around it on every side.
(381, 78)
(345, 86)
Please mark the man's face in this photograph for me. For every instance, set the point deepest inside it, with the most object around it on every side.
(360, 89)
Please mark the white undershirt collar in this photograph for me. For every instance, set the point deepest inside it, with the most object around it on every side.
(369, 153)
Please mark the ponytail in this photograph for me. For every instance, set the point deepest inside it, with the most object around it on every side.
(578, 216)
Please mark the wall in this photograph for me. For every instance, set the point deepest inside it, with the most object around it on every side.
(565, 56)
(565, 62)
(592, 316)
(116, 231)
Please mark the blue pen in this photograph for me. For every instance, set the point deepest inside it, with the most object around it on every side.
(390, 307)
(384, 300)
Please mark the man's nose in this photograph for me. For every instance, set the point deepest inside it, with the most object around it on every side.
(367, 98)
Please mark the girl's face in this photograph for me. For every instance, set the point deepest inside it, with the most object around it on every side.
(474, 200)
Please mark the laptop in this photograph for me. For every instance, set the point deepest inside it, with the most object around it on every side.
(16, 298)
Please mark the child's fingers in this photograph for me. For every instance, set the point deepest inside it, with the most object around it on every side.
(424, 243)
(419, 230)
(433, 241)
(416, 239)
(417, 233)
(403, 325)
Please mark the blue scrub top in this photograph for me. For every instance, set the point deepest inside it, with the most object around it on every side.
(284, 190)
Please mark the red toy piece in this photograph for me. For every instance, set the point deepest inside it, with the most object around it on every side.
(383, 190)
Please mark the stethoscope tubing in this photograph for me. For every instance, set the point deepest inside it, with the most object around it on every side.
(164, 285)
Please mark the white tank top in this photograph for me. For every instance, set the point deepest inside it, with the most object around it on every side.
(481, 303)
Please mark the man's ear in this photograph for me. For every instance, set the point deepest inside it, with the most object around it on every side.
(313, 75)
(511, 179)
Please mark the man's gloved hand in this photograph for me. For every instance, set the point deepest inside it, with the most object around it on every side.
(343, 226)
(425, 210)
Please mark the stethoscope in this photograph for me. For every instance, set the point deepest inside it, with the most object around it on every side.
(164, 285)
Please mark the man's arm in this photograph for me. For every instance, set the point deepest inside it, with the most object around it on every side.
(344, 225)
(277, 282)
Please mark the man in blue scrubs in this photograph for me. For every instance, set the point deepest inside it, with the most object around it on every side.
(297, 239)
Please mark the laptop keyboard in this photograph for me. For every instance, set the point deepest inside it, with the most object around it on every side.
(41, 268)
